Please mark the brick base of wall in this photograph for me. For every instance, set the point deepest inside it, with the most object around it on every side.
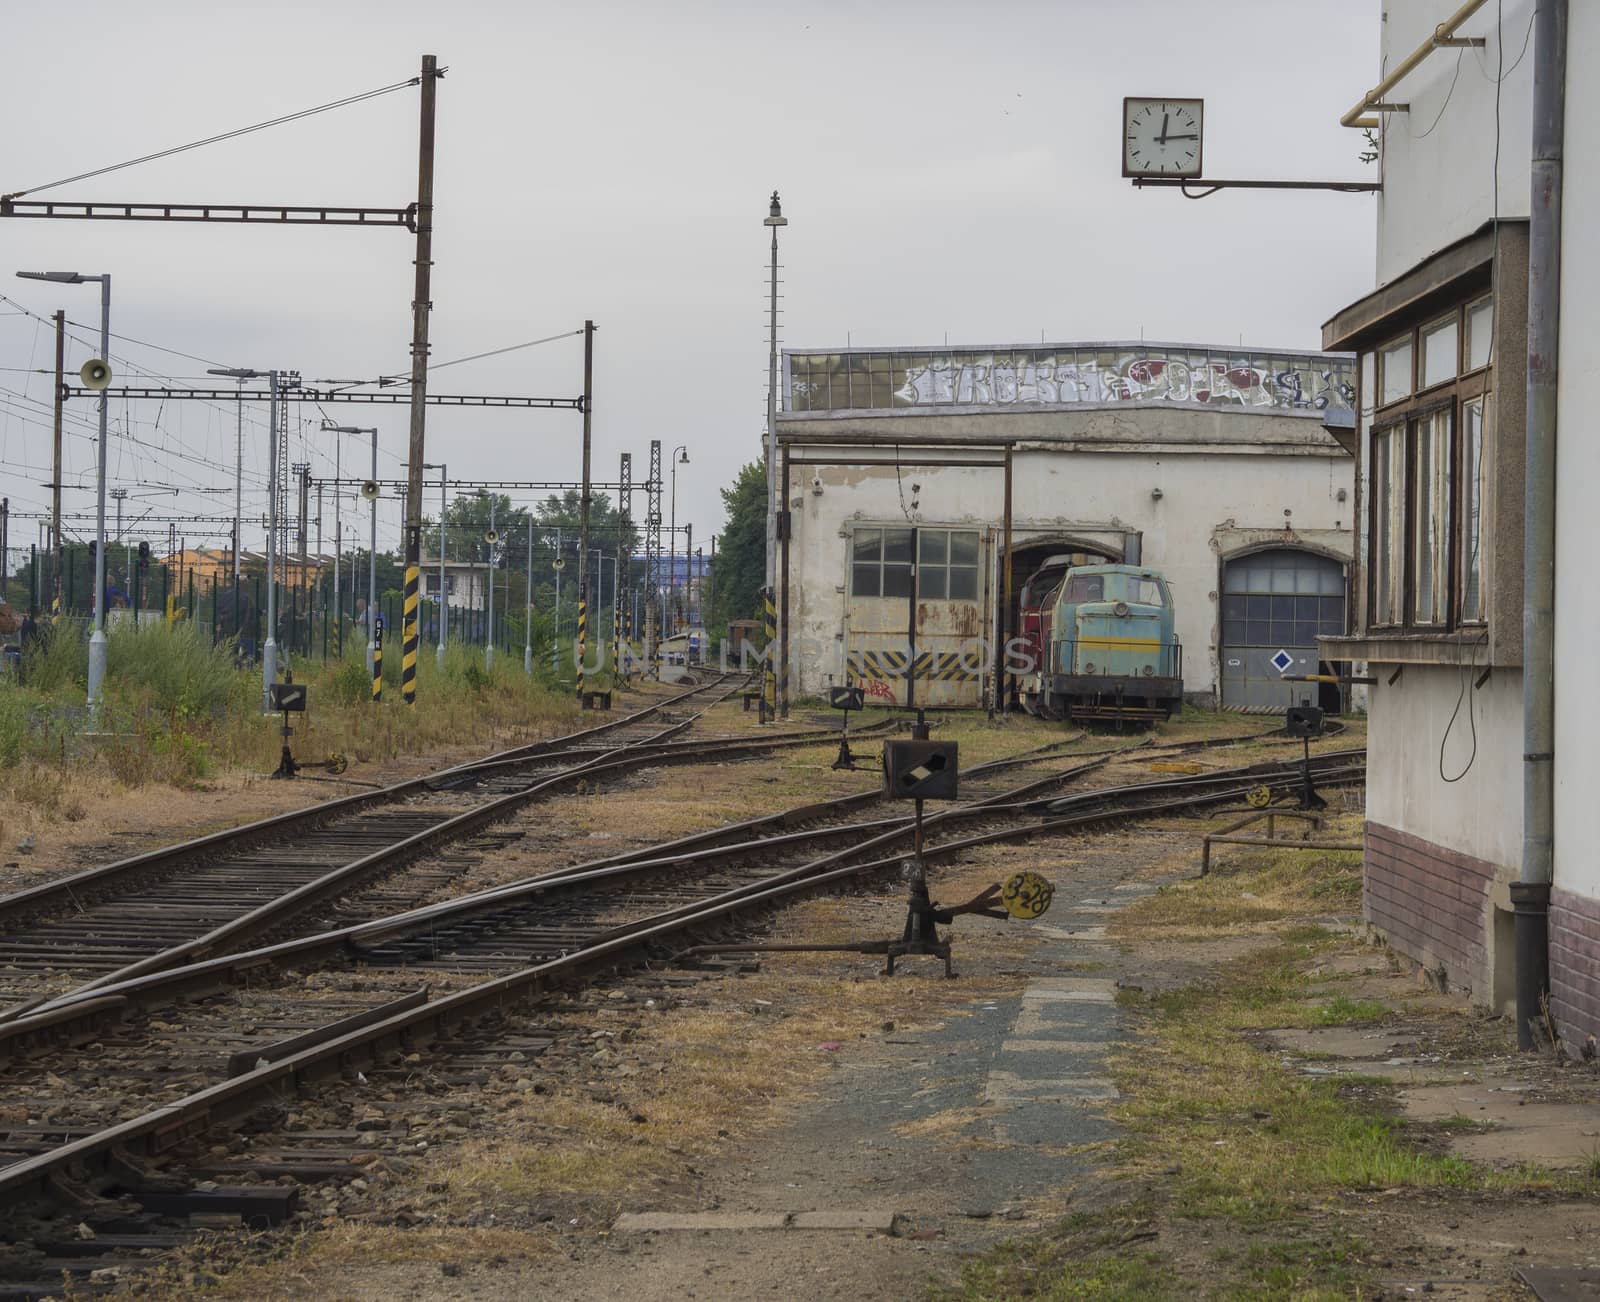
(1432, 904)
(1575, 965)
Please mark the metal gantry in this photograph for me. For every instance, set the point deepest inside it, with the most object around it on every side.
(652, 560)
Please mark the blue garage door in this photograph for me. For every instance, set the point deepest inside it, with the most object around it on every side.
(1274, 601)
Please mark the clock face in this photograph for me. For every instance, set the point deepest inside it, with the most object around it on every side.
(1161, 137)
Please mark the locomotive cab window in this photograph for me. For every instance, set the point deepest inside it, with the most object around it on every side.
(1144, 592)
(1086, 587)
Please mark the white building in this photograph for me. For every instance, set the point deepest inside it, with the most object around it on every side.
(1465, 313)
(466, 582)
(1222, 467)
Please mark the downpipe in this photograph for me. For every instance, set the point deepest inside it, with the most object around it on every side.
(1531, 894)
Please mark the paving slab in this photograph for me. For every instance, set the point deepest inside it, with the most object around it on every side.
(639, 1222)
(844, 1219)
(1087, 933)
(1561, 1284)
(1344, 1041)
(1073, 985)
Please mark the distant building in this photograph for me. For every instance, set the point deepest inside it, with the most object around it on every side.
(466, 583)
(1227, 468)
(206, 564)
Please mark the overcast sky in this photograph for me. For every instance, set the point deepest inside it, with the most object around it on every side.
(948, 170)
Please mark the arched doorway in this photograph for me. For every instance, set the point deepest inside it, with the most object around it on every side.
(1276, 601)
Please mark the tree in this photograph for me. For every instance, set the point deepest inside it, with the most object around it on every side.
(742, 553)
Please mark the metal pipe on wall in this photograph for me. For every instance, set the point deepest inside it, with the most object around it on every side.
(1530, 896)
(785, 528)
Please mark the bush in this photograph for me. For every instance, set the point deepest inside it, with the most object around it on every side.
(349, 683)
(174, 669)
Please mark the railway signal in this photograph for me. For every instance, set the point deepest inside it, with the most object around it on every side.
(846, 699)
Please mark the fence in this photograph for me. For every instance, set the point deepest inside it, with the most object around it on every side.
(307, 624)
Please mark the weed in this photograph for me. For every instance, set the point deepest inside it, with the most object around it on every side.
(1342, 1011)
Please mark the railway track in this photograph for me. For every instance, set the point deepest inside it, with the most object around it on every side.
(236, 888)
(431, 985)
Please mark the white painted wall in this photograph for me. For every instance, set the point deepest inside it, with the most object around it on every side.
(1091, 494)
(1577, 767)
(1438, 159)
(1479, 815)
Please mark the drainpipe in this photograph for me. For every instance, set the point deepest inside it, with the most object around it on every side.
(1133, 549)
(1530, 896)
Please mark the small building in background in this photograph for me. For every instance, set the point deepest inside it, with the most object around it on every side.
(466, 583)
(1226, 468)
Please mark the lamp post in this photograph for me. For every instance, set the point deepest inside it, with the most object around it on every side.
(491, 537)
(444, 596)
(555, 636)
(372, 546)
(680, 457)
(97, 640)
(241, 374)
(774, 219)
(527, 620)
(328, 427)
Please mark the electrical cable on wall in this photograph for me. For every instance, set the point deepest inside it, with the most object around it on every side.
(1470, 668)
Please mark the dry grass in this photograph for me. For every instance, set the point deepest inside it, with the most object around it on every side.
(344, 1249)
(1252, 891)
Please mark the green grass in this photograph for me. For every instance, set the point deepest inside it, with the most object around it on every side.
(1343, 1011)
(1086, 1256)
(178, 710)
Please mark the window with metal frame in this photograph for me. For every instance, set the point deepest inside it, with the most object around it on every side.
(880, 563)
(946, 563)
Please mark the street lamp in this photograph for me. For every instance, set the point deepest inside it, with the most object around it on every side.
(372, 546)
(680, 457)
(241, 374)
(774, 219)
(97, 641)
(444, 596)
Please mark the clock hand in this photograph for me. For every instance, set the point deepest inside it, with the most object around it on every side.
(1162, 138)
(1191, 136)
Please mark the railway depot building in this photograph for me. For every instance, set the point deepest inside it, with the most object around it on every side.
(905, 472)
(1476, 617)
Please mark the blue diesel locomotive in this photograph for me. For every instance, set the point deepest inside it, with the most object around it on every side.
(1114, 653)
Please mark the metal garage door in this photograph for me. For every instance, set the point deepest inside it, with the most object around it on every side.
(914, 622)
(1276, 601)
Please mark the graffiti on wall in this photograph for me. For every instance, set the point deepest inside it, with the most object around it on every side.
(1283, 382)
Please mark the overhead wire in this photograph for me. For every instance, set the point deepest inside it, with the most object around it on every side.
(217, 139)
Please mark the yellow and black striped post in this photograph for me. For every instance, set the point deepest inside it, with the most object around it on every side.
(410, 635)
(583, 638)
(377, 661)
(769, 685)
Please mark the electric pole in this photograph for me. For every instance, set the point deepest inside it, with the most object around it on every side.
(55, 479)
(421, 305)
(583, 504)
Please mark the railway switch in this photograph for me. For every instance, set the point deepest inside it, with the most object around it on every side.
(846, 699)
(289, 697)
(1305, 721)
